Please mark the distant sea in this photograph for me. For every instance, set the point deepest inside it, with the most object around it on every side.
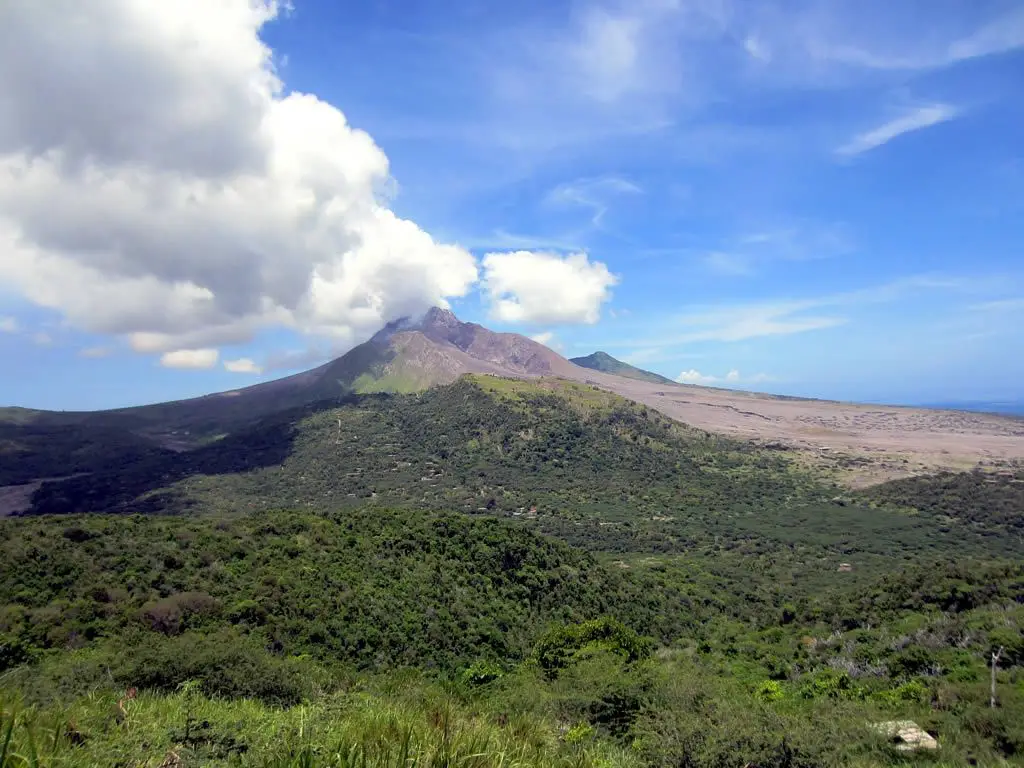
(1011, 407)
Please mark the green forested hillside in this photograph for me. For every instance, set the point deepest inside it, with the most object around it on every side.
(498, 573)
(602, 361)
(586, 466)
(524, 647)
(992, 503)
(347, 587)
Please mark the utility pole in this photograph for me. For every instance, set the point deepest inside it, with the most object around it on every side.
(995, 662)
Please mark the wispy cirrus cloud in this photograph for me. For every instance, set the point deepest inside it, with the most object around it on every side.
(503, 240)
(915, 120)
(904, 52)
(595, 194)
(661, 63)
(729, 264)
(13, 326)
(731, 322)
(738, 323)
(1015, 304)
(750, 253)
(95, 353)
(799, 241)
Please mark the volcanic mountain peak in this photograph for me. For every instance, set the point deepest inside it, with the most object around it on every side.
(444, 347)
(436, 323)
(438, 317)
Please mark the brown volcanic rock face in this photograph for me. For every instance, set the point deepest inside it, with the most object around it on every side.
(404, 355)
(435, 362)
(511, 353)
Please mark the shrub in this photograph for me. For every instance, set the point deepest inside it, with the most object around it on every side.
(604, 689)
(710, 724)
(910, 691)
(77, 534)
(224, 664)
(829, 684)
(579, 733)
(911, 662)
(174, 614)
(769, 690)
(560, 647)
(1000, 727)
(247, 612)
(13, 652)
(481, 673)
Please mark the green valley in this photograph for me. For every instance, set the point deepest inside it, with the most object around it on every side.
(505, 571)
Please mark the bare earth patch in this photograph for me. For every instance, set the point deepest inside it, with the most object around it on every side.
(16, 498)
(858, 445)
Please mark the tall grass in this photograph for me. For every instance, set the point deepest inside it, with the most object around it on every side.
(26, 741)
(428, 728)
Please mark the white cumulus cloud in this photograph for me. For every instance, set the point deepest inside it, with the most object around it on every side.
(541, 287)
(242, 365)
(550, 340)
(177, 195)
(694, 376)
(9, 325)
(190, 358)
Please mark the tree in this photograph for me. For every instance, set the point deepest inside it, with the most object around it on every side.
(995, 662)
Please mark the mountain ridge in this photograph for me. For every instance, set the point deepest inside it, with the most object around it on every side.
(409, 355)
(406, 355)
(602, 361)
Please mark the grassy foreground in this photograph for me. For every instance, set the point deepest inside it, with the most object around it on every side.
(600, 709)
(390, 638)
(421, 727)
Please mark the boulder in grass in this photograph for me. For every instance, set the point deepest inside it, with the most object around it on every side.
(906, 735)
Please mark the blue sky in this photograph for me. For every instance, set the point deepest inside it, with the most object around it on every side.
(814, 198)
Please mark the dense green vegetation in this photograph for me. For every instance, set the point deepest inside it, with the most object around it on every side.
(532, 647)
(992, 503)
(586, 466)
(499, 573)
(346, 587)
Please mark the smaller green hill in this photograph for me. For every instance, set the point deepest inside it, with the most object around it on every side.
(602, 361)
(375, 587)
